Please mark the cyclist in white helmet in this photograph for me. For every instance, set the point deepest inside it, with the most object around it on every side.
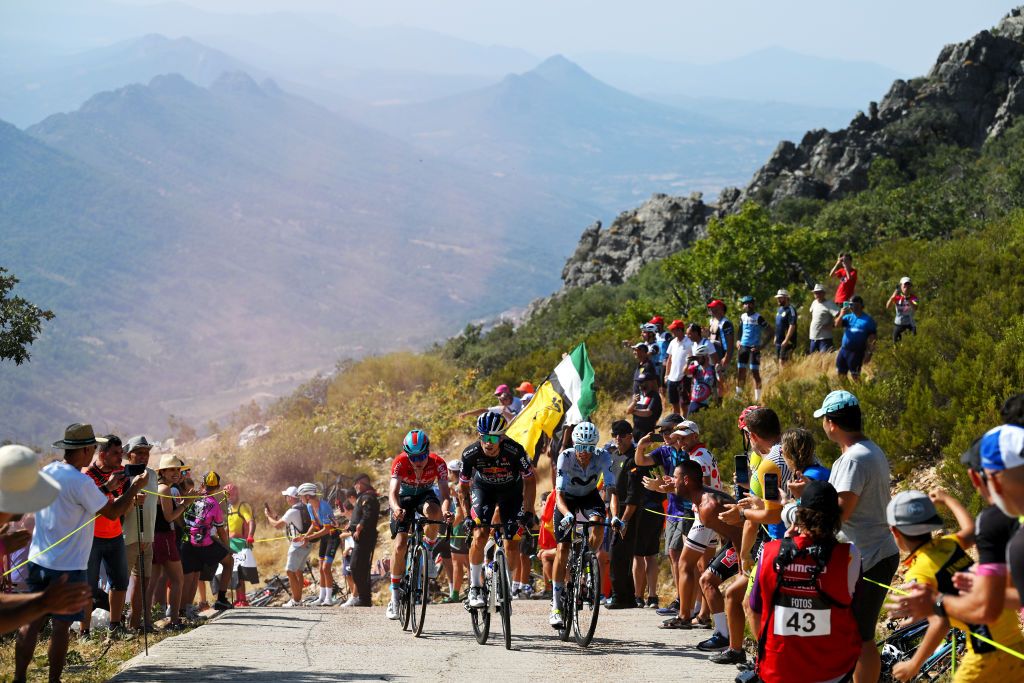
(581, 469)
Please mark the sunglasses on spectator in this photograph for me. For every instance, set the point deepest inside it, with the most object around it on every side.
(490, 438)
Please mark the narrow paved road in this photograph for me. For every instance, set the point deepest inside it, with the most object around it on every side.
(331, 644)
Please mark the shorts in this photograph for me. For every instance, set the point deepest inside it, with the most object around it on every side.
(749, 357)
(507, 500)
(868, 597)
(701, 538)
(195, 558)
(459, 546)
(821, 346)
(783, 352)
(443, 548)
(991, 666)
(675, 392)
(589, 506)
(899, 330)
(648, 533)
(329, 545)
(108, 552)
(849, 361)
(411, 504)
(726, 564)
(297, 556)
(132, 552)
(165, 548)
(40, 577)
(247, 574)
(675, 533)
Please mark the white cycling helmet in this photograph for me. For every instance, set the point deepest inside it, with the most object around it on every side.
(455, 465)
(701, 350)
(308, 489)
(648, 327)
(585, 434)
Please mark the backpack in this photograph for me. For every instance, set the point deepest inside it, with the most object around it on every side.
(307, 520)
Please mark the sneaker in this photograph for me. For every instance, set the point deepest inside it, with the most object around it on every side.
(222, 605)
(316, 603)
(516, 594)
(526, 592)
(668, 610)
(729, 656)
(118, 632)
(292, 603)
(392, 611)
(713, 644)
(351, 602)
(242, 603)
(329, 602)
(612, 603)
(652, 602)
(476, 597)
(640, 602)
(451, 598)
(556, 618)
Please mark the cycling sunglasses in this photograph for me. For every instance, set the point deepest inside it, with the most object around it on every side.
(417, 458)
(587, 448)
(490, 438)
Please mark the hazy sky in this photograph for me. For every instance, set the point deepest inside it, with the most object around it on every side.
(903, 34)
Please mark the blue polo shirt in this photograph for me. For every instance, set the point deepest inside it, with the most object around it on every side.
(856, 330)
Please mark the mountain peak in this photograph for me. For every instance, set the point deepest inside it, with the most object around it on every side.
(559, 68)
(237, 82)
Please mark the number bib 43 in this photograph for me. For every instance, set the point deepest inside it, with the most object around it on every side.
(797, 621)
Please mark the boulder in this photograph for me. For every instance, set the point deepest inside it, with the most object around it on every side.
(252, 434)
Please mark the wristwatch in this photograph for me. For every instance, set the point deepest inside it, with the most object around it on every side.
(938, 608)
(743, 514)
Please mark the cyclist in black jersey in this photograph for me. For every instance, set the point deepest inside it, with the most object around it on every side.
(496, 476)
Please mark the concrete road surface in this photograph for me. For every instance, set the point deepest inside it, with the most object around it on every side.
(332, 644)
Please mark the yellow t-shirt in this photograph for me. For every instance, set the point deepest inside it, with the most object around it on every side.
(238, 518)
(934, 564)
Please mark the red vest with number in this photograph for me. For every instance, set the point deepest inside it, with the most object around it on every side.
(808, 637)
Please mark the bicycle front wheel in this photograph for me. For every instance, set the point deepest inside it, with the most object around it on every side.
(587, 599)
(481, 620)
(421, 591)
(566, 605)
(504, 596)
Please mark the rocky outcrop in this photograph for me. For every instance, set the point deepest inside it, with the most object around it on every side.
(660, 226)
(972, 94)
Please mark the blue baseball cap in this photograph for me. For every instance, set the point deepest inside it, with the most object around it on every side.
(1002, 448)
(836, 400)
(746, 299)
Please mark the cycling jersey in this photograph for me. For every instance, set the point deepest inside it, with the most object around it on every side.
(708, 465)
(752, 325)
(508, 468)
(772, 463)
(412, 483)
(904, 309)
(722, 334)
(575, 479)
(784, 318)
(704, 381)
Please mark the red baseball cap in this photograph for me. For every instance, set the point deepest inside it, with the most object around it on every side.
(676, 324)
(657, 320)
(715, 302)
(502, 389)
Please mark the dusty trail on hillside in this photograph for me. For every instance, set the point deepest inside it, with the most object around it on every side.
(331, 644)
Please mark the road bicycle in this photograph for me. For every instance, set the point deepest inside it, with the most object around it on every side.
(414, 589)
(581, 596)
(261, 597)
(497, 591)
(903, 642)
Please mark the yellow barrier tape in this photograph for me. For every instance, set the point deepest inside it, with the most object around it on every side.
(164, 495)
(983, 639)
(655, 512)
(19, 566)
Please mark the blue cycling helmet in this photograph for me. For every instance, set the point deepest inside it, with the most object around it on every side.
(491, 423)
(416, 445)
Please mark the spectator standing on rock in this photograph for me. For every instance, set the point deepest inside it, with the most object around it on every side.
(722, 334)
(823, 313)
(675, 366)
(753, 337)
(108, 549)
(77, 504)
(646, 406)
(785, 327)
(363, 526)
(701, 372)
(296, 521)
(905, 302)
(649, 336)
(139, 541)
(844, 271)
(859, 335)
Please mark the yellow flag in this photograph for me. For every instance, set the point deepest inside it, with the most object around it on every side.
(541, 415)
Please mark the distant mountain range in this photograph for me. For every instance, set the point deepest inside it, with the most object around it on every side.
(200, 245)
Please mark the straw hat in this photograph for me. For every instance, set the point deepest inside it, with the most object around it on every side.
(78, 435)
(23, 488)
(169, 461)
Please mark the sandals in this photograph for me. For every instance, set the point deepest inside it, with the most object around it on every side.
(676, 623)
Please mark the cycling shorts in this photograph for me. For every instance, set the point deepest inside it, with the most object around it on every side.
(329, 545)
(411, 504)
(726, 564)
(506, 500)
(749, 357)
(849, 361)
(588, 506)
(700, 537)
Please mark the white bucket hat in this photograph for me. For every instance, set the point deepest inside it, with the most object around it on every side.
(23, 488)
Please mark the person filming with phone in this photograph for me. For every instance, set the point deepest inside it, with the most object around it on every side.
(859, 335)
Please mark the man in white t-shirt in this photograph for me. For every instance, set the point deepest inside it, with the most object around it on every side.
(71, 517)
(296, 521)
(823, 313)
(679, 349)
